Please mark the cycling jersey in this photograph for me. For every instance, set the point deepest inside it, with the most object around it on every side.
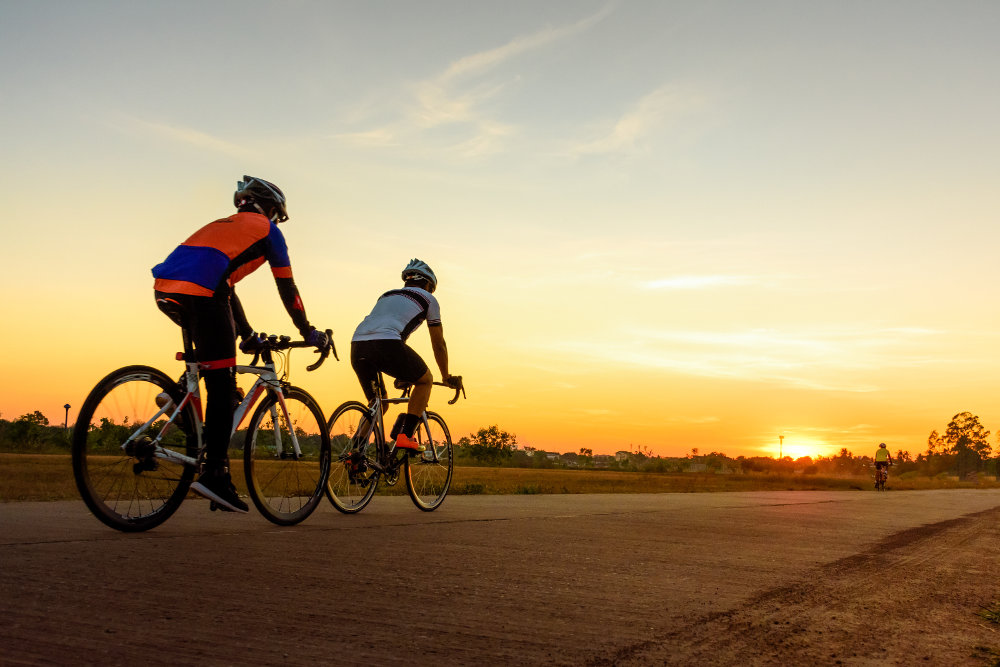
(397, 314)
(222, 253)
(881, 454)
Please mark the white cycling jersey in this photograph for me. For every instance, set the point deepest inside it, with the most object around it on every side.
(397, 314)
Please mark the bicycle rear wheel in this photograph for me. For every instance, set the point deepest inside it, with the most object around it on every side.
(286, 485)
(353, 477)
(118, 471)
(428, 474)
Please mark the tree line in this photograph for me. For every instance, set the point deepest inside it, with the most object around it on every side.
(962, 449)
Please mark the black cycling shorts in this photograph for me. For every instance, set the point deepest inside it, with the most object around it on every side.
(209, 321)
(371, 358)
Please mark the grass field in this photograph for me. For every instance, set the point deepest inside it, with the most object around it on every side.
(50, 477)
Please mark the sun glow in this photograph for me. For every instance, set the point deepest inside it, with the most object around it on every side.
(798, 447)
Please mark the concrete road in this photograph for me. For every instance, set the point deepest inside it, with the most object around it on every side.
(567, 579)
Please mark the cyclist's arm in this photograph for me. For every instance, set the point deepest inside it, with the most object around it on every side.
(440, 349)
(281, 268)
(243, 327)
(293, 303)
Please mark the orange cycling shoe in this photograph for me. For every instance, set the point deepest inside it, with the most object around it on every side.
(404, 441)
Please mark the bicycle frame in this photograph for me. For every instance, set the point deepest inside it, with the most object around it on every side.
(267, 380)
(376, 418)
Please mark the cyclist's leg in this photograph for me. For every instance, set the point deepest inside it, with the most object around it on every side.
(401, 362)
(214, 334)
(364, 361)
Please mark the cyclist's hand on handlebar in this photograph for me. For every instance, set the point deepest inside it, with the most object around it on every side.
(252, 343)
(453, 381)
(317, 339)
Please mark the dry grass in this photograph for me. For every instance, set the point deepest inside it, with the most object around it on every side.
(50, 477)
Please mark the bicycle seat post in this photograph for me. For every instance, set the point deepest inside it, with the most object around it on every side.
(189, 357)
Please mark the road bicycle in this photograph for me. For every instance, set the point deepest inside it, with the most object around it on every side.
(881, 475)
(137, 442)
(362, 457)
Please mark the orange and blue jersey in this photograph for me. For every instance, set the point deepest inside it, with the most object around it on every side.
(222, 253)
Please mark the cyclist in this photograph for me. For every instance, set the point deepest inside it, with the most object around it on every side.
(882, 460)
(194, 287)
(379, 346)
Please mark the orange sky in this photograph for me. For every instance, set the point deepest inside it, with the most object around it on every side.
(656, 225)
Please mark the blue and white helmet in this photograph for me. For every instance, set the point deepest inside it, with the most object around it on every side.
(419, 269)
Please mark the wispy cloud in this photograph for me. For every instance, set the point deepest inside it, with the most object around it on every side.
(838, 360)
(456, 97)
(651, 113)
(486, 60)
(186, 135)
(698, 282)
(380, 137)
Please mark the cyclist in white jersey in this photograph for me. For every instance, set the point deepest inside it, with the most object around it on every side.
(379, 346)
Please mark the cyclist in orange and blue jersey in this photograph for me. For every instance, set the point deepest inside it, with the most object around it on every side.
(194, 287)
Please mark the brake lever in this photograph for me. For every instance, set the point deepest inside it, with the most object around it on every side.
(460, 389)
(325, 352)
(319, 362)
(333, 346)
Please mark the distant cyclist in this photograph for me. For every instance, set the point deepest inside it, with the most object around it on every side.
(194, 287)
(882, 459)
(379, 346)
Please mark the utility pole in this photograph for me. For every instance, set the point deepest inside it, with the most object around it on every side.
(781, 442)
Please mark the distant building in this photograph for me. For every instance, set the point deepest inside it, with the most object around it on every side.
(622, 455)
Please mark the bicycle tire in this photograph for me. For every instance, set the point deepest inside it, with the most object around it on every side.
(286, 487)
(131, 491)
(428, 474)
(353, 478)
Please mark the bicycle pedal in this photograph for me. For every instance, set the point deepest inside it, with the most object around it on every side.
(145, 465)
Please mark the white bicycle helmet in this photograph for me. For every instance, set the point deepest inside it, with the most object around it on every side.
(419, 269)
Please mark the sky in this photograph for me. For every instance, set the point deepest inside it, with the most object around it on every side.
(658, 225)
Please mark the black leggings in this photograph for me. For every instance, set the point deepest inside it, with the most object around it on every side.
(209, 321)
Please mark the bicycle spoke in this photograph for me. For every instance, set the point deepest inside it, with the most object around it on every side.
(286, 487)
(353, 479)
(428, 475)
(117, 486)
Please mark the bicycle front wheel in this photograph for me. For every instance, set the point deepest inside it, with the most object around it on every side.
(286, 457)
(428, 474)
(127, 457)
(353, 475)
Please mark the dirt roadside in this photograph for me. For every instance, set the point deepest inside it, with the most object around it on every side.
(912, 599)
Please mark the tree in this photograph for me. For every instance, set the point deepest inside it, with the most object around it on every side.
(28, 431)
(964, 433)
(491, 446)
(935, 444)
(35, 418)
(968, 440)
